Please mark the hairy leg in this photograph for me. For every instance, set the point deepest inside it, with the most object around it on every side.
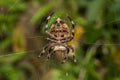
(65, 55)
(52, 40)
(49, 53)
(70, 37)
(46, 27)
(73, 25)
(67, 39)
(44, 50)
(73, 52)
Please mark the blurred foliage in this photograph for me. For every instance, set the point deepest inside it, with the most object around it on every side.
(96, 41)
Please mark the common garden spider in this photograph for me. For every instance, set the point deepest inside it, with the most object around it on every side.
(59, 34)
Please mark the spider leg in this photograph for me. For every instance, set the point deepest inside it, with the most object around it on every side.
(48, 56)
(50, 50)
(50, 34)
(73, 52)
(51, 40)
(67, 39)
(73, 25)
(70, 37)
(48, 18)
(43, 50)
(65, 55)
(46, 27)
(49, 53)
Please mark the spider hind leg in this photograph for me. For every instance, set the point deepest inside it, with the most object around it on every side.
(73, 53)
(43, 50)
(49, 53)
(65, 55)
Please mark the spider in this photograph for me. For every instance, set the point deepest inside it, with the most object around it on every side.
(59, 34)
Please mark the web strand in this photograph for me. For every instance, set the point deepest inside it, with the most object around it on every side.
(102, 44)
(37, 37)
(21, 52)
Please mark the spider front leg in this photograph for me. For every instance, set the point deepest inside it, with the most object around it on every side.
(67, 39)
(73, 25)
(47, 19)
(48, 33)
(51, 39)
(46, 27)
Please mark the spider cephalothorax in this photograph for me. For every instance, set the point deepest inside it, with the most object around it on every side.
(59, 34)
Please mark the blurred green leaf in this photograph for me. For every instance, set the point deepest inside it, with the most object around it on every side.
(95, 9)
(5, 43)
(10, 72)
(10, 58)
(41, 12)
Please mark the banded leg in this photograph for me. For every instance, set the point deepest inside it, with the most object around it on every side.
(51, 36)
(46, 27)
(65, 55)
(51, 40)
(73, 25)
(73, 53)
(71, 37)
(48, 18)
(49, 53)
(44, 50)
(48, 56)
(67, 39)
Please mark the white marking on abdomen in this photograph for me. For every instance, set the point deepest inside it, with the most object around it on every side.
(56, 48)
